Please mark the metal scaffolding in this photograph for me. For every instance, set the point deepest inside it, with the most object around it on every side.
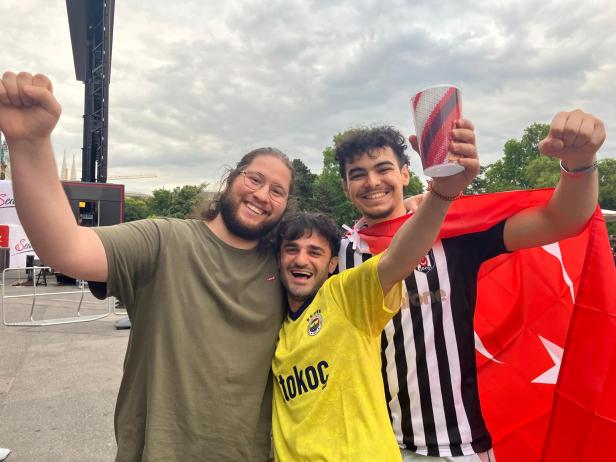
(91, 26)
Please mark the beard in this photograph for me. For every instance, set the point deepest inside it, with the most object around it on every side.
(228, 212)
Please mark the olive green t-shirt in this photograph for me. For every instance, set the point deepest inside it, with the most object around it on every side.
(205, 319)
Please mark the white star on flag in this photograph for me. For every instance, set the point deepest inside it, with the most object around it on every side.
(556, 353)
(480, 347)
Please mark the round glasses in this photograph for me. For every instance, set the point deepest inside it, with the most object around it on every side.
(256, 180)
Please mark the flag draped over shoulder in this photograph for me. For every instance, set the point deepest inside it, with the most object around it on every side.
(537, 309)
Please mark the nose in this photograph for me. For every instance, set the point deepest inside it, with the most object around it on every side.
(262, 194)
(373, 179)
(301, 258)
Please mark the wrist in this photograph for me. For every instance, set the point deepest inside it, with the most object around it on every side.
(573, 164)
(443, 195)
(27, 146)
(567, 170)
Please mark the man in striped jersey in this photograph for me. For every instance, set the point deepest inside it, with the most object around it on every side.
(428, 352)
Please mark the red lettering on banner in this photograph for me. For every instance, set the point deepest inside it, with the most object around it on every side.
(23, 246)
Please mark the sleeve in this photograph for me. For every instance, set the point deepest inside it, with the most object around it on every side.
(481, 246)
(132, 250)
(358, 293)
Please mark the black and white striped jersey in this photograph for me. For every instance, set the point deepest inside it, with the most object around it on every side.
(428, 351)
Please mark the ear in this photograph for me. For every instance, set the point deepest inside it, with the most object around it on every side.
(332, 265)
(406, 176)
(345, 187)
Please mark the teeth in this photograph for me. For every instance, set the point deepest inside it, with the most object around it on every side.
(376, 195)
(254, 209)
(301, 274)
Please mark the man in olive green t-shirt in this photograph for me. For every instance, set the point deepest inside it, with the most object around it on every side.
(203, 296)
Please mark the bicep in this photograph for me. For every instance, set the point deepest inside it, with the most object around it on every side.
(529, 228)
(88, 259)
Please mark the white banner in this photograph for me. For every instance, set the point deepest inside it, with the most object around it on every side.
(20, 246)
(8, 214)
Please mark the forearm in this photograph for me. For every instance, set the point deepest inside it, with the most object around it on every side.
(574, 200)
(41, 202)
(413, 241)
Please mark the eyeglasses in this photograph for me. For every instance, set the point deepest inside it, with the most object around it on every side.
(256, 180)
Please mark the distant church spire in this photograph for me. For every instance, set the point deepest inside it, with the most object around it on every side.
(74, 170)
(64, 169)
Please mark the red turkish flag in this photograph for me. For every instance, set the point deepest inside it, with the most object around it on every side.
(583, 420)
(536, 308)
(530, 305)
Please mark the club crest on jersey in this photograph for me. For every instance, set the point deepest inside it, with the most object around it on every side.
(427, 263)
(315, 323)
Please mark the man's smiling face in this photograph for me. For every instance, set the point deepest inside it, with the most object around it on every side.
(374, 182)
(251, 213)
(305, 264)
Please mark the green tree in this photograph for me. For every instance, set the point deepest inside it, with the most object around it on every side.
(607, 184)
(185, 198)
(135, 208)
(479, 183)
(303, 186)
(508, 173)
(160, 202)
(542, 172)
(329, 197)
(177, 203)
(414, 187)
(607, 188)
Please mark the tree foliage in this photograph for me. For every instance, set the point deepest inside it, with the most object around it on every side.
(542, 172)
(329, 196)
(607, 184)
(509, 173)
(303, 186)
(135, 208)
(175, 203)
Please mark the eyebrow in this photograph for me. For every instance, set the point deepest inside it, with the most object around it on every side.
(376, 166)
(293, 246)
(316, 248)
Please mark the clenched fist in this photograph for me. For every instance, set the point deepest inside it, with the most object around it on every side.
(575, 137)
(28, 109)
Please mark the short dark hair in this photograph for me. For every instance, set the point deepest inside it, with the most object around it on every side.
(296, 225)
(358, 141)
(211, 208)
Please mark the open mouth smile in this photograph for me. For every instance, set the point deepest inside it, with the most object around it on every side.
(254, 209)
(301, 274)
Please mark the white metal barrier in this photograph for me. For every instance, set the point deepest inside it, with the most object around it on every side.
(35, 295)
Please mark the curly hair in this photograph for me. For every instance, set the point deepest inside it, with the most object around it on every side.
(356, 142)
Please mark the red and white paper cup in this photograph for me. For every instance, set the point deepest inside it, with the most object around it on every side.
(435, 110)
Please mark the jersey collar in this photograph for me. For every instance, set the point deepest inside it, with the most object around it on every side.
(295, 316)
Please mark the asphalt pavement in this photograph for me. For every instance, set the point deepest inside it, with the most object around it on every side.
(58, 383)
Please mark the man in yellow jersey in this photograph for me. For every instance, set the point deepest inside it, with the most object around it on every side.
(328, 394)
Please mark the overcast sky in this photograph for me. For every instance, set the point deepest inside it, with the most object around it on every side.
(196, 84)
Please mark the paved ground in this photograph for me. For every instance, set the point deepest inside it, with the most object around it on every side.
(58, 384)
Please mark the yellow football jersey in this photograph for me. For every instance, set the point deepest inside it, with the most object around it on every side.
(329, 401)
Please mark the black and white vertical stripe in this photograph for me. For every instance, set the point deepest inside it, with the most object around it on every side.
(428, 356)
